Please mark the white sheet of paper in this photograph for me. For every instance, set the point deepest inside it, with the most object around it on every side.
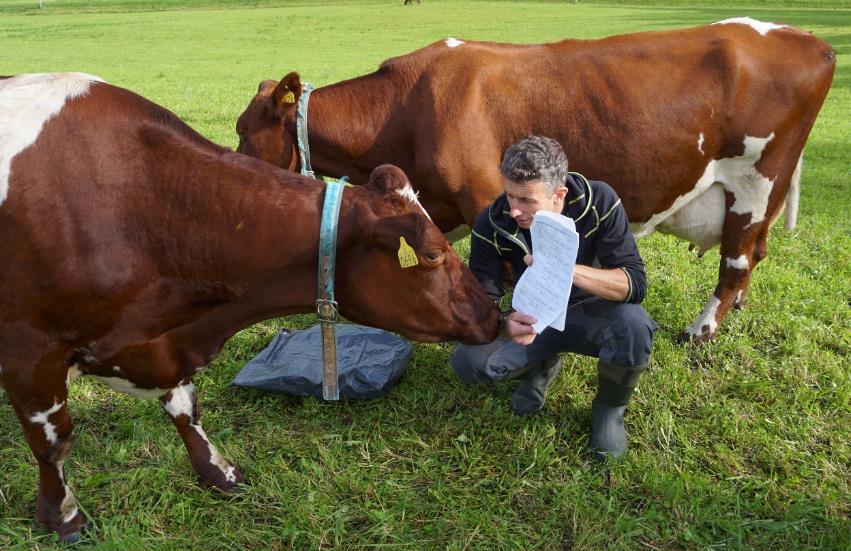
(544, 288)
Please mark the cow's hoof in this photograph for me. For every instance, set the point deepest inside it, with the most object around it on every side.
(228, 481)
(75, 534)
(72, 538)
(69, 532)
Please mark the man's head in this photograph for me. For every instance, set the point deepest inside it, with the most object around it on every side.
(534, 172)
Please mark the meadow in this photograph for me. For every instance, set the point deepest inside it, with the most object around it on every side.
(742, 443)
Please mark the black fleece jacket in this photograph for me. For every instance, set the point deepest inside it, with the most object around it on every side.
(604, 239)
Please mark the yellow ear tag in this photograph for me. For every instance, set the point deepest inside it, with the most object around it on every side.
(407, 256)
(289, 97)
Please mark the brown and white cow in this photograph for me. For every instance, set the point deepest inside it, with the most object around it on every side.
(133, 248)
(699, 130)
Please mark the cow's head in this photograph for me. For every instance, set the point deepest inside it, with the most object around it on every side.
(398, 272)
(262, 126)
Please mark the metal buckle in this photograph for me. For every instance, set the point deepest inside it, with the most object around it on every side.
(326, 310)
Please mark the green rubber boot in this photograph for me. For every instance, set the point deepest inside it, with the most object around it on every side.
(531, 395)
(608, 436)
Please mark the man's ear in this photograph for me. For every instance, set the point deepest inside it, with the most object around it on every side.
(561, 193)
(286, 92)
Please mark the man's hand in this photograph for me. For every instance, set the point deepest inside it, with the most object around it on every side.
(518, 327)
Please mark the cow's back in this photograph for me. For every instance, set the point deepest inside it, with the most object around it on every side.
(629, 108)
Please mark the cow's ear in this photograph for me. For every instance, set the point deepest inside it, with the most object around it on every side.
(265, 85)
(287, 91)
(387, 230)
(406, 237)
(387, 178)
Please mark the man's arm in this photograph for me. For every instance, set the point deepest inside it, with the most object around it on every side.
(610, 284)
(621, 276)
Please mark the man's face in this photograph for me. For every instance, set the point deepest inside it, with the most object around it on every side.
(527, 198)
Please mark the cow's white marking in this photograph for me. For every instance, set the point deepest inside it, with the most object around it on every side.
(759, 26)
(700, 144)
(216, 458)
(181, 401)
(738, 175)
(751, 188)
(412, 196)
(739, 297)
(42, 418)
(68, 507)
(458, 233)
(125, 386)
(706, 319)
(452, 42)
(740, 263)
(27, 102)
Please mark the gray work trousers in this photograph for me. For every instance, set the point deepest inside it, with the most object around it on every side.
(617, 333)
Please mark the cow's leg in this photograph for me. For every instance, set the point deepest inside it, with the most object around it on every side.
(181, 404)
(734, 273)
(753, 200)
(40, 403)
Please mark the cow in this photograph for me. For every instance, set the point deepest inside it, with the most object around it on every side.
(133, 248)
(699, 130)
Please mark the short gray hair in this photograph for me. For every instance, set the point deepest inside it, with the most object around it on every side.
(535, 158)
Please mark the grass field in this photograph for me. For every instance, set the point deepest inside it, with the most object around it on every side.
(741, 444)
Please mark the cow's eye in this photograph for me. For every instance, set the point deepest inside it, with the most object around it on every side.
(434, 258)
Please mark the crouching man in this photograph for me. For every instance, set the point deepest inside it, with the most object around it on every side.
(604, 319)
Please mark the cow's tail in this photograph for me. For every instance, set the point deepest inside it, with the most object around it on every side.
(793, 197)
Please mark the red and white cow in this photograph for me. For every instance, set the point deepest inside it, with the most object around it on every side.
(699, 130)
(133, 248)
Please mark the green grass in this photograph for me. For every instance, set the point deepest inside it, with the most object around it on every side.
(740, 444)
(119, 6)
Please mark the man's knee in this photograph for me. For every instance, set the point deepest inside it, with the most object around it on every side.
(468, 361)
(488, 362)
(629, 339)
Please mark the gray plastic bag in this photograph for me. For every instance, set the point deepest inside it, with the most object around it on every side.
(369, 362)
